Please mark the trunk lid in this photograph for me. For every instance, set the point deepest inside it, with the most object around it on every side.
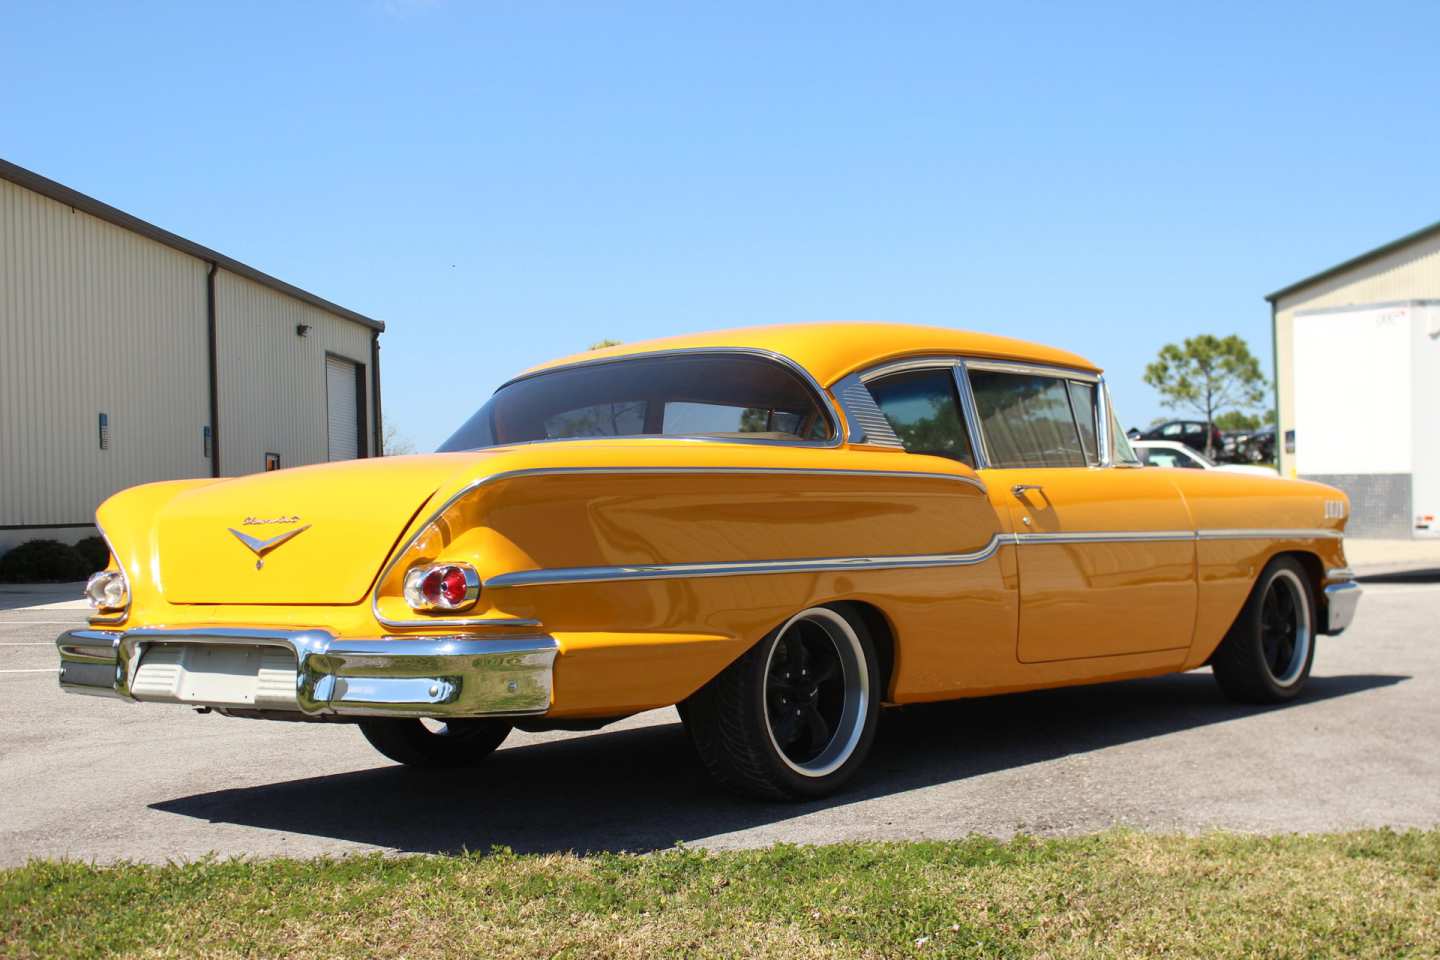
(309, 535)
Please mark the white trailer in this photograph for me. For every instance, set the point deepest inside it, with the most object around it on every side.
(1367, 412)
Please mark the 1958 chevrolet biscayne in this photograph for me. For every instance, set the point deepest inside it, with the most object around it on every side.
(779, 530)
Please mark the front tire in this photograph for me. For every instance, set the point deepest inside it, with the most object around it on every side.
(435, 745)
(794, 717)
(1266, 656)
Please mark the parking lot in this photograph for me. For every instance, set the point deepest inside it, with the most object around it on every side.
(103, 780)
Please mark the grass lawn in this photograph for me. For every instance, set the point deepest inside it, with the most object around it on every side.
(1121, 894)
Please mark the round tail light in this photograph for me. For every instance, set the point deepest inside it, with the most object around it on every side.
(442, 586)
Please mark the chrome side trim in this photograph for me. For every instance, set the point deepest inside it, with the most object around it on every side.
(740, 568)
(1261, 534)
(418, 624)
(1339, 573)
(430, 677)
(1341, 599)
(1107, 536)
(824, 398)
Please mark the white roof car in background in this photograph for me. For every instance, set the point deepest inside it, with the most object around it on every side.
(1168, 453)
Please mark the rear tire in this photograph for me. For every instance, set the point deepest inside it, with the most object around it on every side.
(445, 745)
(1266, 656)
(795, 717)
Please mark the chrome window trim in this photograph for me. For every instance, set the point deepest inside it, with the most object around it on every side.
(824, 401)
(885, 369)
(1032, 369)
(422, 623)
(978, 443)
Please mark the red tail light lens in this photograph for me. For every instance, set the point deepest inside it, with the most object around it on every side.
(443, 586)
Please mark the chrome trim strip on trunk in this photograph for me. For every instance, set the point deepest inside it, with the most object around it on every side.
(419, 623)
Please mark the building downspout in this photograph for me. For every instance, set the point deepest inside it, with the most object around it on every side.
(1275, 382)
(379, 445)
(214, 370)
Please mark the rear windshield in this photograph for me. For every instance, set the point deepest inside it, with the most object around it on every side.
(707, 395)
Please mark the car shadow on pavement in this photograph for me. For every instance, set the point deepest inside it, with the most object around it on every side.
(1402, 576)
(642, 789)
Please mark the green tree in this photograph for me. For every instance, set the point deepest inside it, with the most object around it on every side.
(1206, 374)
(1237, 420)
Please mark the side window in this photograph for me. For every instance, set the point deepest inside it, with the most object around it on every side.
(924, 412)
(1027, 420)
(1082, 400)
(1173, 430)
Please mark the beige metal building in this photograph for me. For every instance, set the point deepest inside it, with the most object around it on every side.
(1357, 383)
(129, 354)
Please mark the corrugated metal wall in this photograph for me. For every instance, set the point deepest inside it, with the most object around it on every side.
(93, 319)
(272, 381)
(1412, 273)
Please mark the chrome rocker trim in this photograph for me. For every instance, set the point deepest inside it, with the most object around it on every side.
(431, 677)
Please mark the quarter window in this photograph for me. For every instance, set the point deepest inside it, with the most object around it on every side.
(1027, 420)
(1082, 400)
(924, 412)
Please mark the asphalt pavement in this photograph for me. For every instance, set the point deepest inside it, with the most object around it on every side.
(102, 780)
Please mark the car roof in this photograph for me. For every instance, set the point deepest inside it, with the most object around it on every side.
(829, 351)
(1163, 444)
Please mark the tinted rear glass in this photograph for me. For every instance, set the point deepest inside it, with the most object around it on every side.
(715, 395)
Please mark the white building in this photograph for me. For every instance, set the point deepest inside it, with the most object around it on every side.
(1357, 382)
(128, 354)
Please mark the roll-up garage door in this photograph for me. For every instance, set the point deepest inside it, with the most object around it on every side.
(342, 404)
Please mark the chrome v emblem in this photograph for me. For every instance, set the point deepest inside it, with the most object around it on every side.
(261, 547)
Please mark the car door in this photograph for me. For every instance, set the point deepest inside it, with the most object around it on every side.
(1106, 554)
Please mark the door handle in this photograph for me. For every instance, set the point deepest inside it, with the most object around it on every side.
(1020, 488)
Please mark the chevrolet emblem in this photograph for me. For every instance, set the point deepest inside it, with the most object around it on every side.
(261, 547)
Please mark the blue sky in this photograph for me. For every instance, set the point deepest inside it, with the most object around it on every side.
(505, 182)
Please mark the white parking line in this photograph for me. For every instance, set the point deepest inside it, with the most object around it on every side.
(35, 670)
(43, 623)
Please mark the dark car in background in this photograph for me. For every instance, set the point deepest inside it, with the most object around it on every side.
(1189, 432)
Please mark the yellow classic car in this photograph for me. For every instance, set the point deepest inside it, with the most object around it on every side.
(779, 530)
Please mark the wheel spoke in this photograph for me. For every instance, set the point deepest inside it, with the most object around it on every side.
(818, 729)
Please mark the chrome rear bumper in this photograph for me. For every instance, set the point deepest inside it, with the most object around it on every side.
(420, 677)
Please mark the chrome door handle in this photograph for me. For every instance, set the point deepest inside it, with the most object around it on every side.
(1020, 488)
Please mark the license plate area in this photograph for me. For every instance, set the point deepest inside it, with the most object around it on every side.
(222, 675)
